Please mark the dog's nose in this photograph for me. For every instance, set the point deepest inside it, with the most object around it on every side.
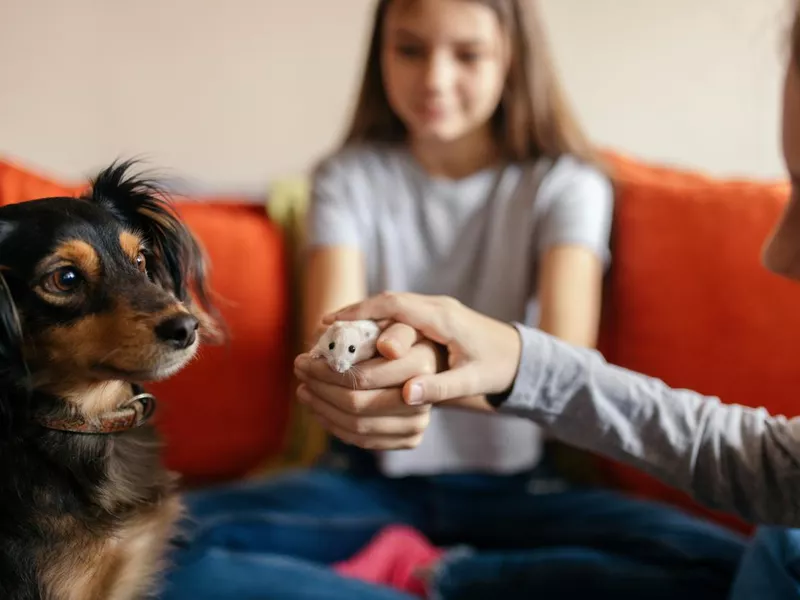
(179, 331)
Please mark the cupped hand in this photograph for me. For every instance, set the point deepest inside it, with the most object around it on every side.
(483, 353)
(365, 407)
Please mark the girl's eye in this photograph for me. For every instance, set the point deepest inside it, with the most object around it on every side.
(468, 57)
(351, 349)
(410, 51)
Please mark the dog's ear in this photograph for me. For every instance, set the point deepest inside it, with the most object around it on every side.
(10, 331)
(12, 361)
(13, 370)
(176, 260)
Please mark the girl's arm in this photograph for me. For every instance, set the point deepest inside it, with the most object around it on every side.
(334, 277)
(573, 254)
(570, 290)
(573, 251)
(335, 273)
(727, 456)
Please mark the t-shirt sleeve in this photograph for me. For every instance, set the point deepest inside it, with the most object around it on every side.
(332, 218)
(579, 206)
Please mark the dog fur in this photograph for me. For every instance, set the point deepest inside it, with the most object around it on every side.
(98, 295)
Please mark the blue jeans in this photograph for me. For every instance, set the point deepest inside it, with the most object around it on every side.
(770, 568)
(512, 537)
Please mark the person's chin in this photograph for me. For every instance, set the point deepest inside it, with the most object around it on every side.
(438, 133)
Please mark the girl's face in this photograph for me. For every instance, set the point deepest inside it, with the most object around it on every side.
(444, 64)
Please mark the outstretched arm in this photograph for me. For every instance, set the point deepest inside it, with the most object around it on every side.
(727, 456)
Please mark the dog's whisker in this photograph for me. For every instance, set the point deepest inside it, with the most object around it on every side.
(110, 354)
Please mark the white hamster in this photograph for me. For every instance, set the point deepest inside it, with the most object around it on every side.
(346, 343)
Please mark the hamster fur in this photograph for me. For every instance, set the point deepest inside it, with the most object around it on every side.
(346, 343)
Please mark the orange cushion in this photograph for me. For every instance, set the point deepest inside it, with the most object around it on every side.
(18, 183)
(688, 300)
(226, 411)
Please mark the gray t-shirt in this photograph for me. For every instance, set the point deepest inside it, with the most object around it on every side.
(729, 457)
(478, 239)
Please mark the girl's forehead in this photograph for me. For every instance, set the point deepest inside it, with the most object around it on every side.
(443, 20)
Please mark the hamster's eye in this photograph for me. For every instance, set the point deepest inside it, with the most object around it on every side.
(332, 345)
(351, 349)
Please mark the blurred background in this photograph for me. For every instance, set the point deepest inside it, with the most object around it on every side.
(229, 95)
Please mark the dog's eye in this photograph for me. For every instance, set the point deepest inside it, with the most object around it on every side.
(141, 262)
(64, 279)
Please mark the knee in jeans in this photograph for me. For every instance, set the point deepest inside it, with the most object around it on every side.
(776, 539)
(781, 543)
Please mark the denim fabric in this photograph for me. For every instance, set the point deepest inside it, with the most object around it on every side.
(521, 536)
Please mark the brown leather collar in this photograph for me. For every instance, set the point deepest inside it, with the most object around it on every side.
(133, 413)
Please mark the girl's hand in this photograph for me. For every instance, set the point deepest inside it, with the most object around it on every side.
(483, 353)
(365, 407)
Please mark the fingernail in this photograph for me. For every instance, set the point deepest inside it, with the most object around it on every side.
(301, 362)
(415, 394)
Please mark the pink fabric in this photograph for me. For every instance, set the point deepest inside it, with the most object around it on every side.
(393, 558)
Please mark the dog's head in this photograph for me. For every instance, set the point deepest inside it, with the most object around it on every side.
(108, 286)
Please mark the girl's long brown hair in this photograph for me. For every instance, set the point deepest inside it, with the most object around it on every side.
(533, 119)
(795, 37)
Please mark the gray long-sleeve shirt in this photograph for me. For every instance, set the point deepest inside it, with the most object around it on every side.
(728, 457)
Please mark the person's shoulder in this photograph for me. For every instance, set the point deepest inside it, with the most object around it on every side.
(575, 205)
(571, 179)
(358, 161)
(569, 172)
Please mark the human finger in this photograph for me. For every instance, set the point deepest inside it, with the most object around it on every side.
(376, 426)
(397, 340)
(373, 443)
(387, 402)
(417, 310)
(454, 383)
(375, 373)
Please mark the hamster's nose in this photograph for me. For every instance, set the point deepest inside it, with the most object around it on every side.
(341, 366)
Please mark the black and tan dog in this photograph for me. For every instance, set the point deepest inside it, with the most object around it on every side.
(98, 295)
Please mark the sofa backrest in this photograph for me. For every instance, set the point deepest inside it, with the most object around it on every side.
(688, 300)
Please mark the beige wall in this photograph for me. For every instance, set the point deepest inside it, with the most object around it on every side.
(227, 95)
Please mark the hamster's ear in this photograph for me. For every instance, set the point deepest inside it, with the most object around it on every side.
(371, 329)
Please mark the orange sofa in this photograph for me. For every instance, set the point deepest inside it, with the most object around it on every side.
(686, 301)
